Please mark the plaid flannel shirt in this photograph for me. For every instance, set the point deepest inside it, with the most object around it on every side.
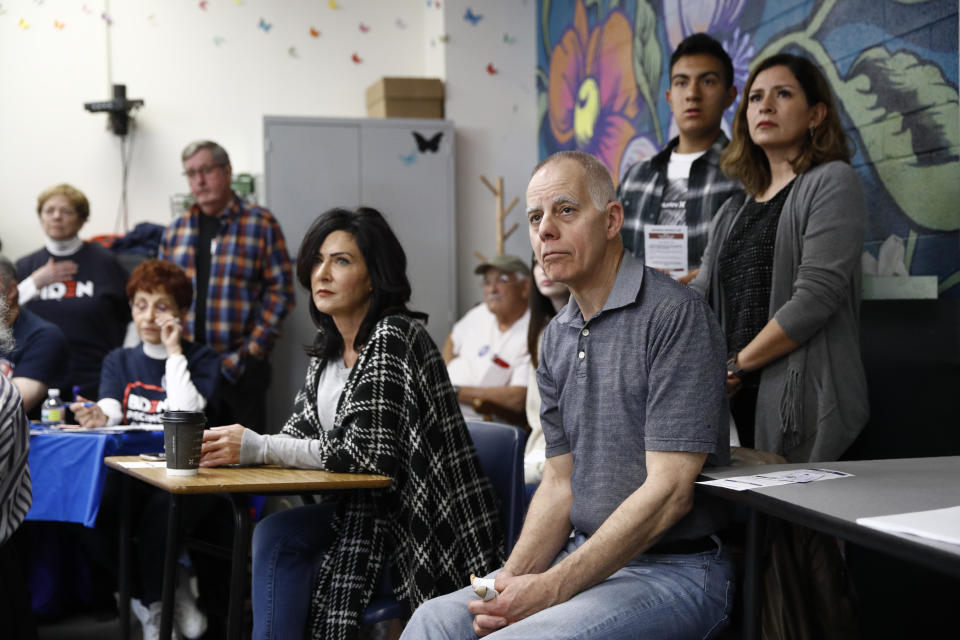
(641, 191)
(250, 289)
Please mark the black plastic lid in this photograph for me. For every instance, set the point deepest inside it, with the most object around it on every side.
(184, 417)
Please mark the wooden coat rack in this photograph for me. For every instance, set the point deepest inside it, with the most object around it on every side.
(500, 214)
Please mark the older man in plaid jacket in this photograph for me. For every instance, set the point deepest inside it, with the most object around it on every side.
(237, 258)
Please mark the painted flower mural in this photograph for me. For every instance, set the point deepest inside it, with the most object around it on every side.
(603, 69)
(592, 93)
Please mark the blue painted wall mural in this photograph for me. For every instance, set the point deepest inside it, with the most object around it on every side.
(602, 69)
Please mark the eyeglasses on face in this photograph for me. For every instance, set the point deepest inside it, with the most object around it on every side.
(205, 170)
(503, 278)
(142, 306)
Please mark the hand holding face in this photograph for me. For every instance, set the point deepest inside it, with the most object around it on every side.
(170, 333)
(88, 416)
(53, 271)
(221, 445)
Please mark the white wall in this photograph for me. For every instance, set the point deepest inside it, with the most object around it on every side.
(214, 74)
(496, 119)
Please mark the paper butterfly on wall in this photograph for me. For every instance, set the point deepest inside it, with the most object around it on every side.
(265, 25)
(424, 145)
(471, 17)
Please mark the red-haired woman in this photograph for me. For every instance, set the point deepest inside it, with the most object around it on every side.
(139, 383)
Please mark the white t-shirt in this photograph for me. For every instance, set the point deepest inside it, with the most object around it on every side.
(329, 387)
(673, 203)
(486, 356)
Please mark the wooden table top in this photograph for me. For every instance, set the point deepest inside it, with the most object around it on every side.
(248, 479)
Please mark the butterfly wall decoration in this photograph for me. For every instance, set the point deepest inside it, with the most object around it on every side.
(428, 144)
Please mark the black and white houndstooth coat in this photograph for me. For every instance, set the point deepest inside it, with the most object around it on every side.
(437, 523)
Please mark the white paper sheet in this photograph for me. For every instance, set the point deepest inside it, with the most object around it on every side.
(936, 524)
(145, 464)
(665, 247)
(776, 478)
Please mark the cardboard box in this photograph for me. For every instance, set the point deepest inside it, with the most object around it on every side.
(405, 98)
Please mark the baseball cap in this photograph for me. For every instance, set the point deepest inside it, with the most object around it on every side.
(505, 263)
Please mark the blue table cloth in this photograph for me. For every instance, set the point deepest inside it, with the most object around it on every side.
(67, 470)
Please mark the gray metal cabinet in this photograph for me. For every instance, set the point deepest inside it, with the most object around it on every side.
(314, 164)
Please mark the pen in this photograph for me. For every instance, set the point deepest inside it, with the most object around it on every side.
(76, 395)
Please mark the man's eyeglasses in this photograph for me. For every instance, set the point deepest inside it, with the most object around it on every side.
(205, 171)
(503, 278)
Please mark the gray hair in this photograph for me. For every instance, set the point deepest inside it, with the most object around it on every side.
(8, 272)
(599, 183)
(218, 153)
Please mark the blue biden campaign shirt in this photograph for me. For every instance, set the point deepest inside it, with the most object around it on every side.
(137, 381)
(91, 309)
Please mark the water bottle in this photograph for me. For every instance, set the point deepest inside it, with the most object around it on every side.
(51, 413)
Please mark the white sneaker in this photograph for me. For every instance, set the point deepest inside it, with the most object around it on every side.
(189, 619)
(149, 617)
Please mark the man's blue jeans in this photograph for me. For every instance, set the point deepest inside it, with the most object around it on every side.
(287, 548)
(655, 596)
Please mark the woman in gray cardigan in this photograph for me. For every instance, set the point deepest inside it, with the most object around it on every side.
(782, 268)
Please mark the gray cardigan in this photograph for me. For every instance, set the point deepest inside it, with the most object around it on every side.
(812, 402)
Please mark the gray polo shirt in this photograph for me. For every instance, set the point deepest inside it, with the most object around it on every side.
(645, 373)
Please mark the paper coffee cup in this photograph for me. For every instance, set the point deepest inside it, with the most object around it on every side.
(182, 440)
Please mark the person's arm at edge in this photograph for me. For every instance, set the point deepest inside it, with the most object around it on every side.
(512, 399)
(31, 391)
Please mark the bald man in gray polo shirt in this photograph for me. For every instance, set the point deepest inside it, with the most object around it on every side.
(632, 381)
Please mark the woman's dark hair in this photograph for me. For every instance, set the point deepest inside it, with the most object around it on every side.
(386, 265)
(541, 311)
(746, 162)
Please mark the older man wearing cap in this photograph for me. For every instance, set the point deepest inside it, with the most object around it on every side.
(486, 353)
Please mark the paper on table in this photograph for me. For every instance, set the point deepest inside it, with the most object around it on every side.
(776, 478)
(120, 428)
(142, 465)
(123, 428)
(936, 524)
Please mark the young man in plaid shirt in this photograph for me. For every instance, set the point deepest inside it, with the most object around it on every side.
(683, 185)
(237, 258)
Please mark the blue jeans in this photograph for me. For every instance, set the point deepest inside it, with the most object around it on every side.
(287, 548)
(655, 596)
